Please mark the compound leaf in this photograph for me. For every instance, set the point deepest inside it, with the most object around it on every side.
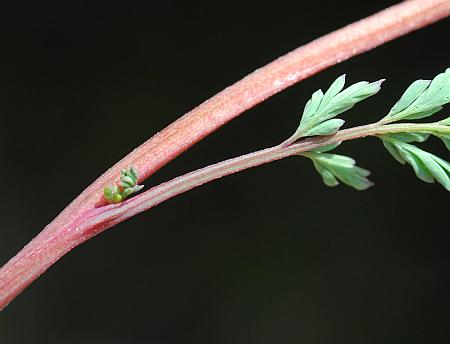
(321, 108)
(422, 98)
(334, 168)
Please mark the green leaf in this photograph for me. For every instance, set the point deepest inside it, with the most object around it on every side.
(328, 178)
(410, 95)
(417, 164)
(321, 108)
(350, 96)
(422, 98)
(438, 93)
(403, 137)
(312, 105)
(438, 169)
(427, 166)
(446, 139)
(394, 152)
(333, 91)
(424, 114)
(326, 128)
(411, 137)
(334, 168)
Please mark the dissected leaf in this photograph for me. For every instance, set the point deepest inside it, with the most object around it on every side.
(326, 128)
(446, 139)
(411, 137)
(422, 98)
(445, 121)
(334, 89)
(334, 168)
(410, 95)
(394, 152)
(321, 108)
(328, 178)
(346, 99)
(312, 105)
(427, 166)
(424, 114)
(417, 164)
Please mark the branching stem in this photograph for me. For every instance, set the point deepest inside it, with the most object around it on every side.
(87, 215)
(114, 214)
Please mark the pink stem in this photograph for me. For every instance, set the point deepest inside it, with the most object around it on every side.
(105, 217)
(57, 238)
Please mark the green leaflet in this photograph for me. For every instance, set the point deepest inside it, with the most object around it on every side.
(422, 98)
(334, 168)
(321, 108)
(326, 128)
(427, 166)
(410, 95)
(393, 150)
(446, 139)
(126, 186)
(411, 137)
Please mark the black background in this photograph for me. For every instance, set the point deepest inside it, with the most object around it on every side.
(270, 255)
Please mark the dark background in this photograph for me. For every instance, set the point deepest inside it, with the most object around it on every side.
(270, 255)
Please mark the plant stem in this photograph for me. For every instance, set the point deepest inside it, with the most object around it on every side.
(72, 227)
(110, 215)
(276, 76)
(16, 274)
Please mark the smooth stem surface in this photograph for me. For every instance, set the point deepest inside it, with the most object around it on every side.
(95, 221)
(106, 217)
(287, 70)
(58, 238)
(110, 215)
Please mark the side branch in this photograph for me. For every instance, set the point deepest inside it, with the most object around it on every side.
(278, 75)
(79, 221)
(108, 216)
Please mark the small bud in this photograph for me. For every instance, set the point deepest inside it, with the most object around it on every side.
(127, 181)
(127, 186)
(112, 194)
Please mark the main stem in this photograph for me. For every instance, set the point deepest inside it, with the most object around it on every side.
(58, 238)
(17, 273)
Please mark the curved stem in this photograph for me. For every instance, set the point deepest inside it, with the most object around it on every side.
(16, 274)
(111, 215)
(276, 76)
(70, 229)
